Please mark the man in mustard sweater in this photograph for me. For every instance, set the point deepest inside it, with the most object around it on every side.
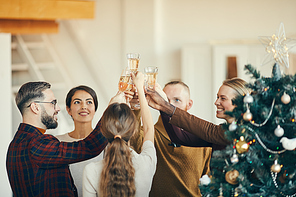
(179, 168)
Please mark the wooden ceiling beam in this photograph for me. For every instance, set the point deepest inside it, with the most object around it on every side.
(28, 26)
(46, 9)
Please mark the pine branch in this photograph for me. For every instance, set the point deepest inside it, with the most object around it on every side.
(251, 70)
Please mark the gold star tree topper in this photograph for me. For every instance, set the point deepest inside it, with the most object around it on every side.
(277, 47)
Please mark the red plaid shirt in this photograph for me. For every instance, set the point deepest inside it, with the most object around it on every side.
(37, 164)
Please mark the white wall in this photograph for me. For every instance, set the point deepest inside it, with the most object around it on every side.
(6, 114)
(91, 50)
(193, 22)
(197, 74)
(158, 29)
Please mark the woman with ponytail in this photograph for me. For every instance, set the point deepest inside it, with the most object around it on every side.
(123, 172)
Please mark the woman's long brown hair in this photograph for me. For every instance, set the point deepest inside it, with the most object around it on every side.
(118, 174)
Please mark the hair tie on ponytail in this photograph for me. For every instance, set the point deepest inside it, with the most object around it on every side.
(117, 136)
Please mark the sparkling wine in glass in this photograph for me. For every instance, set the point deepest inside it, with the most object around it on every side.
(133, 61)
(125, 81)
(150, 76)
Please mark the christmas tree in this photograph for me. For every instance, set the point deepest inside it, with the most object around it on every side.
(261, 161)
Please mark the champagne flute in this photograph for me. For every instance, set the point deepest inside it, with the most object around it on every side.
(125, 82)
(133, 64)
(150, 76)
(133, 61)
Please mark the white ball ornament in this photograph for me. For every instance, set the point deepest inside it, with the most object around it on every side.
(248, 98)
(248, 115)
(232, 126)
(285, 98)
(234, 159)
(205, 180)
(291, 175)
(279, 131)
(276, 167)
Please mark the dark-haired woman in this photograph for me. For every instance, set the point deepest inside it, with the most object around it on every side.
(81, 105)
(123, 172)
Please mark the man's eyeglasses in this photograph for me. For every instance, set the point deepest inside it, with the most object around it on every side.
(54, 102)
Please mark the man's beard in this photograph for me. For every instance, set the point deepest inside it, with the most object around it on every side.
(48, 120)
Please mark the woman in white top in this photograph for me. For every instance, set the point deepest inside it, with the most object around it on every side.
(81, 105)
(123, 172)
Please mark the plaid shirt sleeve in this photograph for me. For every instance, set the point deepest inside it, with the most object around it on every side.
(48, 152)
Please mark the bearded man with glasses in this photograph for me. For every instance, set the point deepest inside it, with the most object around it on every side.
(37, 163)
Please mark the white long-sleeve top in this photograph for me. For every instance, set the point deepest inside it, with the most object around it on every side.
(144, 164)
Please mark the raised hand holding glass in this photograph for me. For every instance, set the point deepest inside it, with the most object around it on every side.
(125, 82)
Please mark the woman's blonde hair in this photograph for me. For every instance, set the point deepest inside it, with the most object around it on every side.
(238, 84)
(118, 174)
